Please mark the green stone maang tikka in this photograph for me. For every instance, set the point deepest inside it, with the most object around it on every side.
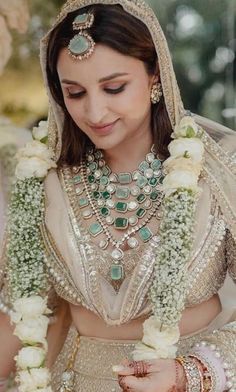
(82, 45)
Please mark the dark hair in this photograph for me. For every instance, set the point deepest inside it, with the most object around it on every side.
(124, 33)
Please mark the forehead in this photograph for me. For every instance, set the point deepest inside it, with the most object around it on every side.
(104, 61)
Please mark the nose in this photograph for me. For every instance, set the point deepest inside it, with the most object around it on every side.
(95, 109)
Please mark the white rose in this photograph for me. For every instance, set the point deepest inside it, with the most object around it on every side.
(25, 381)
(41, 377)
(40, 132)
(32, 167)
(156, 342)
(32, 379)
(180, 179)
(186, 128)
(181, 163)
(192, 148)
(29, 307)
(35, 149)
(32, 330)
(30, 357)
(143, 352)
(155, 335)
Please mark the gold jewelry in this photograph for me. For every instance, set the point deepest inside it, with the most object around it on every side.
(68, 376)
(82, 45)
(156, 93)
(140, 368)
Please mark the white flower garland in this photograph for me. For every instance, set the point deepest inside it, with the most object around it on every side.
(168, 292)
(27, 278)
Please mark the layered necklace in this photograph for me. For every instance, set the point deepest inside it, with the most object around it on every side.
(125, 201)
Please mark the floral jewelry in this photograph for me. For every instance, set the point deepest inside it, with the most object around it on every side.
(156, 93)
(82, 45)
(25, 254)
(168, 291)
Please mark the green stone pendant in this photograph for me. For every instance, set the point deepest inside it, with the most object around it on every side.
(77, 179)
(117, 272)
(122, 192)
(121, 223)
(121, 207)
(83, 202)
(79, 45)
(145, 234)
(140, 213)
(125, 178)
(95, 229)
(156, 164)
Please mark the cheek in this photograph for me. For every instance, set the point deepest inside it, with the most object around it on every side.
(74, 109)
(136, 103)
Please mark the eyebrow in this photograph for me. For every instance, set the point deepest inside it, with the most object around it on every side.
(105, 79)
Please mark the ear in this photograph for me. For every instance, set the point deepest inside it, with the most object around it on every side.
(155, 78)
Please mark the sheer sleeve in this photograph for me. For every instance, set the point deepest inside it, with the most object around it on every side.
(218, 349)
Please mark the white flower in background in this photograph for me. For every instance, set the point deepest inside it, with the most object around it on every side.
(29, 308)
(16, 13)
(30, 357)
(5, 44)
(48, 389)
(157, 342)
(40, 132)
(181, 163)
(180, 179)
(32, 330)
(32, 379)
(184, 147)
(186, 128)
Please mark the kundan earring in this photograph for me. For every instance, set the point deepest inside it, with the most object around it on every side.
(156, 93)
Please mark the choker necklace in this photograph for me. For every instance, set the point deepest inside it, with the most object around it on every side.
(125, 201)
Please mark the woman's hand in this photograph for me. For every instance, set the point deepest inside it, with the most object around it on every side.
(163, 375)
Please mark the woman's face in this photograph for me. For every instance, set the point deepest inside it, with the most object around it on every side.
(107, 95)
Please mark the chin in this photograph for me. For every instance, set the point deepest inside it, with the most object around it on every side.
(106, 143)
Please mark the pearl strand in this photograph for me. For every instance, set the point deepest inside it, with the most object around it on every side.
(228, 369)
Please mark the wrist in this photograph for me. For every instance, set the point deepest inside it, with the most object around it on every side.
(3, 384)
(181, 382)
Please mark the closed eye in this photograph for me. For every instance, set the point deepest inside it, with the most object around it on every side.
(80, 94)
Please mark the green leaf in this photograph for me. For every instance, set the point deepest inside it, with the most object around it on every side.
(190, 132)
(44, 140)
(186, 154)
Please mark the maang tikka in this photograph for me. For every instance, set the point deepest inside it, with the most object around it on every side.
(82, 45)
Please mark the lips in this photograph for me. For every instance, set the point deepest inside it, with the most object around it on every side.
(104, 128)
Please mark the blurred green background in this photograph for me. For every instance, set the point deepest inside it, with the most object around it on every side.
(202, 39)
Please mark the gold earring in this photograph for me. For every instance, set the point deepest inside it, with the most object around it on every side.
(156, 93)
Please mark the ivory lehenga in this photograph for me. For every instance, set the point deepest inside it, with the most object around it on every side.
(78, 269)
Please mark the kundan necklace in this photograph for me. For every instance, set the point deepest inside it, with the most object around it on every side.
(125, 201)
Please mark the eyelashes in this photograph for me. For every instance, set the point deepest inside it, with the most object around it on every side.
(111, 91)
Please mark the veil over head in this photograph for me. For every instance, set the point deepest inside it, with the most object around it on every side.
(220, 142)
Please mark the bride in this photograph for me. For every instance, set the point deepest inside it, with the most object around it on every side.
(130, 235)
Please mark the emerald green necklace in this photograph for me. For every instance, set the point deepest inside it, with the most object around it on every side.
(124, 201)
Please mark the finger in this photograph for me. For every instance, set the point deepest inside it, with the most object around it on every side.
(123, 370)
(151, 366)
(133, 383)
(133, 367)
